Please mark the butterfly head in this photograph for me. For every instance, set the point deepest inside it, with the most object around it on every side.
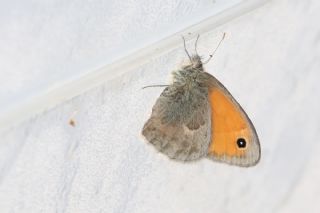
(195, 62)
(191, 75)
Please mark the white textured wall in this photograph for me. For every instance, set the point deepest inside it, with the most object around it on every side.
(49, 41)
(269, 61)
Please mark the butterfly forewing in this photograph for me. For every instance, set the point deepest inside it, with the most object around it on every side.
(234, 139)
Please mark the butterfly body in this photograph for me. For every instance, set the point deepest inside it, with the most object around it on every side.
(196, 117)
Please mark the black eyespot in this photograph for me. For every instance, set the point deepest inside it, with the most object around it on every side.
(241, 143)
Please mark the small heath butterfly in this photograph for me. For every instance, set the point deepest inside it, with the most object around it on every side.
(197, 117)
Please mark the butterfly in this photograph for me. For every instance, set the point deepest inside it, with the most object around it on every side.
(196, 117)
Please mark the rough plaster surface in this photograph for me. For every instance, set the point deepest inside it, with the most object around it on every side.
(269, 61)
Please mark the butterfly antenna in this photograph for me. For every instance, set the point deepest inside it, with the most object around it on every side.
(185, 48)
(211, 55)
(196, 44)
(159, 85)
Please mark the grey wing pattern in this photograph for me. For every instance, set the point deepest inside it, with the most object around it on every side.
(180, 123)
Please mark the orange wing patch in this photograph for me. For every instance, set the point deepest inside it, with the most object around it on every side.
(229, 127)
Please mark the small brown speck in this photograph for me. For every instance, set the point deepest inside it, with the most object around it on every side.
(72, 122)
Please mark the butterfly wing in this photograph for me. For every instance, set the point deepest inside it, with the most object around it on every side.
(234, 139)
(179, 125)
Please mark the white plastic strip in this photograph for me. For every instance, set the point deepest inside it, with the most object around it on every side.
(74, 87)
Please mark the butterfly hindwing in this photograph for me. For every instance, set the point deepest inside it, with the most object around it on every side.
(179, 125)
